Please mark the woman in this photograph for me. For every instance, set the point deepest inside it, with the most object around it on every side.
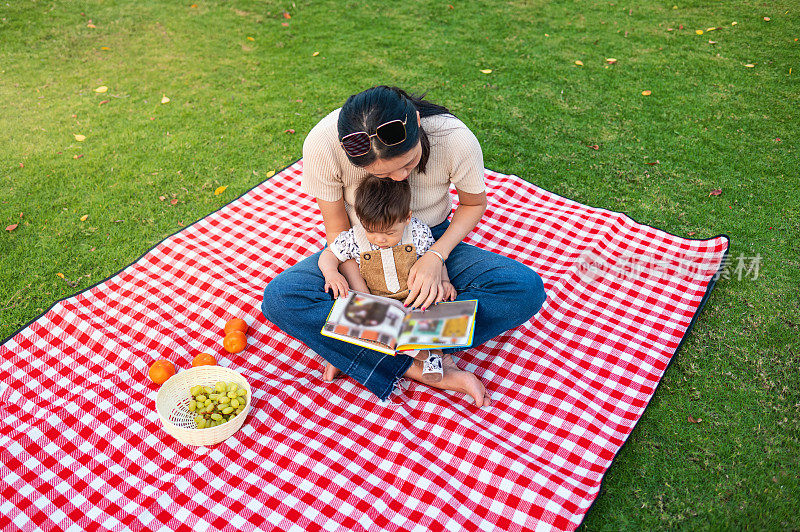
(393, 135)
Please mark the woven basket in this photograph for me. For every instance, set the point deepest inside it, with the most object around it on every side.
(172, 405)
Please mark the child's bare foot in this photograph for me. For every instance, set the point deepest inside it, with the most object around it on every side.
(454, 379)
(330, 372)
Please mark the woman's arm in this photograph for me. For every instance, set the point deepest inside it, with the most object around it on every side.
(335, 220)
(424, 279)
(467, 215)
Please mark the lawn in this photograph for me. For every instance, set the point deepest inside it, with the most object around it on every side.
(713, 148)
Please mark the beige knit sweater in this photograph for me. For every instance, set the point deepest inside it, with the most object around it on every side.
(455, 157)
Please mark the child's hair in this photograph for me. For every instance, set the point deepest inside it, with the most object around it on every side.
(382, 202)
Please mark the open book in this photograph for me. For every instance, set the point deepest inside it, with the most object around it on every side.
(387, 326)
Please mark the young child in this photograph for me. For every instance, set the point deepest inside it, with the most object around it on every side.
(385, 246)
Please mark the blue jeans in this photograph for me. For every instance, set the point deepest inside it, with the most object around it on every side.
(508, 294)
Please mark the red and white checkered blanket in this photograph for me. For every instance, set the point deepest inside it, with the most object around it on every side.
(81, 446)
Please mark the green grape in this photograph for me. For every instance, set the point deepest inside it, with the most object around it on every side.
(207, 402)
(228, 410)
(207, 390)
(216, 417)
(224, 400)
(232, 387)
(220, 387)
(201, 398)
(196, 390)
(201, 424)
(209, 408)
(235, 403)
(242, 392)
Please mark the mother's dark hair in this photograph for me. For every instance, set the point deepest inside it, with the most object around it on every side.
(367, 110)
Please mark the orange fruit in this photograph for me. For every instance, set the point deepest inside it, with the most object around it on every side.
(236, 324)
(234, 342)
(204, 359)
(161, 370)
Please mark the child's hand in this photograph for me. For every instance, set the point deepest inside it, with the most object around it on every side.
(337, 284)
(448, 292)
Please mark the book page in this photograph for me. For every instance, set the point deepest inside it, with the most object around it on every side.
(450, 323)
(367, 318)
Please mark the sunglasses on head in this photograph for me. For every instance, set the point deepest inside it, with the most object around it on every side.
(390, 133)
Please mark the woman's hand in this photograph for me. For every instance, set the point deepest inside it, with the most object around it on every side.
(425, 282)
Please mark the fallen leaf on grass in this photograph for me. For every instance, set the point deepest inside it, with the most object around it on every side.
(680, 27)
(750, 65)
(289, 131)
(699, 32)
(103, 102)
(193, 6)
(715, 192)
(173, 202)
(691, 233)
(219, 191)
(766, 19)
(646, 93)
(11, 227)
(611, 61)
(286, 15)
(734, 23)
(285, 24)
(77, 156)
(654, 163)
(79, 138)
(712, 29)
(693, 420)
(594, 147)
(487, 71)
(315, 54)
(250, 39)
(712, 42)
(90, 25)
(162, 198)
(60, 275)
(101, 89)
(105, 48)
(164, 99)
(22, 165)
(84, 217)
(579, 63)
(270, 173)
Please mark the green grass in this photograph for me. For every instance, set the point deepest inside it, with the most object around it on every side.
(710, 122)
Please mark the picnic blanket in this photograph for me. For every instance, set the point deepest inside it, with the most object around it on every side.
(81, 445)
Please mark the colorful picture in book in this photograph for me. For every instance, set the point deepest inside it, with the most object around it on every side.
(428, 326)
(366, 313)
(456, 326)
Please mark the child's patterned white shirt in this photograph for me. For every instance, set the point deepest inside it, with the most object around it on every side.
(345, 246)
